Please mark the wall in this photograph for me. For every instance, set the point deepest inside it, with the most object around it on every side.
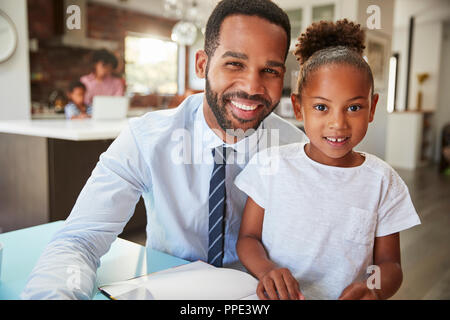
(442, 114)
(375, 139)
(430, 54)
(427, 44)
(14, 73)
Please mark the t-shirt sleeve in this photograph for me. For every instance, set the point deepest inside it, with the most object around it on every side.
(254, 179)
(396, 211)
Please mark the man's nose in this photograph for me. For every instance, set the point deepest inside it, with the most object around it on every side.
(253, 83)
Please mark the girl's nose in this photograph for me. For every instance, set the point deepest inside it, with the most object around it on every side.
(337, 121)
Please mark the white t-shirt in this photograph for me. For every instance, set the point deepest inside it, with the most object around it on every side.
(321, 221)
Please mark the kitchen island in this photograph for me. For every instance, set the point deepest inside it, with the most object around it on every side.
(44, 164)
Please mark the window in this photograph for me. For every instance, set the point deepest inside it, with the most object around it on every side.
(325, 12)
(295, 17)
(151, 65)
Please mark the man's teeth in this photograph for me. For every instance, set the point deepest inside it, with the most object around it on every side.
(336, 139)
(244, 107)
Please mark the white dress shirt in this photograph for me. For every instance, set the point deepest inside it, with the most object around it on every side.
(165, 157)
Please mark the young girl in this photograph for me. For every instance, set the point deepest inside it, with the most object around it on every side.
(320, 214)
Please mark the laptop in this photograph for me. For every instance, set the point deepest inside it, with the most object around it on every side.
(109, 108)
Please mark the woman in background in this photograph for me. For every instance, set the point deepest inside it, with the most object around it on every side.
(101, 81)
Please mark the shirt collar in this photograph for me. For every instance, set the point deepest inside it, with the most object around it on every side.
(210, 140)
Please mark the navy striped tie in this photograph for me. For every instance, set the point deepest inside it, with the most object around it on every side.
(217, 208)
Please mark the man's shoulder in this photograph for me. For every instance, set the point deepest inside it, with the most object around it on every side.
(156, 125)
(288, 133)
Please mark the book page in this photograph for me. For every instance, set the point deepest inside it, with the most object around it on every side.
(193, 281)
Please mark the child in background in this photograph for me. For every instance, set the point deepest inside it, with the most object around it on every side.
(326, 213)
(76, 108)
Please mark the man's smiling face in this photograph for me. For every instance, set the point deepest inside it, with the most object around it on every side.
(244, 77)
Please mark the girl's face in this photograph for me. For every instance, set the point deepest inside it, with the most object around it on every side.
(336, 106)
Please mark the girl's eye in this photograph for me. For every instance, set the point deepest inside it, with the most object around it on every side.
(320, 107)
(354, 108)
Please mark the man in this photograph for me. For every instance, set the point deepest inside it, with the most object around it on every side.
(193, 208)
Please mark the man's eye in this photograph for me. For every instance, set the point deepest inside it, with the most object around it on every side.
(354, 108)
(272, 71)
(234, 64)
(320, 107)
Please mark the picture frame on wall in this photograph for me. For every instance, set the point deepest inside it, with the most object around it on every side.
(377, 56)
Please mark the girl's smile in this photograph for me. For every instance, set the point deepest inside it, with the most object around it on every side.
(337, 141)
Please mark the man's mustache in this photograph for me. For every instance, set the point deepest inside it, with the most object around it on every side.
(259, 99)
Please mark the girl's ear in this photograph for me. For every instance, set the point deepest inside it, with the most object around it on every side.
(297, 106)
(201, 61)
(375, 98)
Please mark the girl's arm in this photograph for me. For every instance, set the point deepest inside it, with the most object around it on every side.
(276, 282)
(387, 257)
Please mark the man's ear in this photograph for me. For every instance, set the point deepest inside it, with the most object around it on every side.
(373, 106)
(297, 106)
(201, 61)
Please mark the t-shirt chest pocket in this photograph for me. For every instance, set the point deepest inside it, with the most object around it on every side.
(360, 226)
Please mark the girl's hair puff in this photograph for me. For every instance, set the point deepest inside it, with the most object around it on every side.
(326, 42)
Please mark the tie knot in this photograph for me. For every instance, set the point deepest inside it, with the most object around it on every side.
(219, 154)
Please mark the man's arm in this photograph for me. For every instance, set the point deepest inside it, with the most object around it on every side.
(101, 211)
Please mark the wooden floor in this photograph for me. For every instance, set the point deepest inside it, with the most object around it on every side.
(425, 248)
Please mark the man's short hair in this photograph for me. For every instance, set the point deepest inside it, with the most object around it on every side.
(106, 57)
(264, 9)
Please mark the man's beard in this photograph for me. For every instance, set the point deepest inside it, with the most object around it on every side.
(220, 111)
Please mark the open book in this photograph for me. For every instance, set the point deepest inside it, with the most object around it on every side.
(193, 281)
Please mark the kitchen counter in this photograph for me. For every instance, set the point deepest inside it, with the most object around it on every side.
(44, 164)
(75, 130)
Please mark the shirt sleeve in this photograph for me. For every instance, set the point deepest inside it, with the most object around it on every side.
(103, 208)
(70, 110)
(254, 180)
(396, 211)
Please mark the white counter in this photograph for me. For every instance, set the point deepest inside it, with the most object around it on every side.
(77, 130)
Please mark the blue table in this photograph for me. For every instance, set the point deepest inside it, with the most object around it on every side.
(22, 248)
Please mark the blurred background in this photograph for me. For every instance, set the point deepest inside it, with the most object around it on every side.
(45, 160)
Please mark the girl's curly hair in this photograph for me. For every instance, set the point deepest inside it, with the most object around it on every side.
(325, 34)
(329, 42)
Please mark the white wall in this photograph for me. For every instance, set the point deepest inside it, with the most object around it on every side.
(15, 101)
(429, 16)
(442, 114)
(430, 54)
(426, 57)
(375, 139)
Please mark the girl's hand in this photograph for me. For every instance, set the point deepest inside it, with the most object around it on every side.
(358, 291)
(278, 284)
